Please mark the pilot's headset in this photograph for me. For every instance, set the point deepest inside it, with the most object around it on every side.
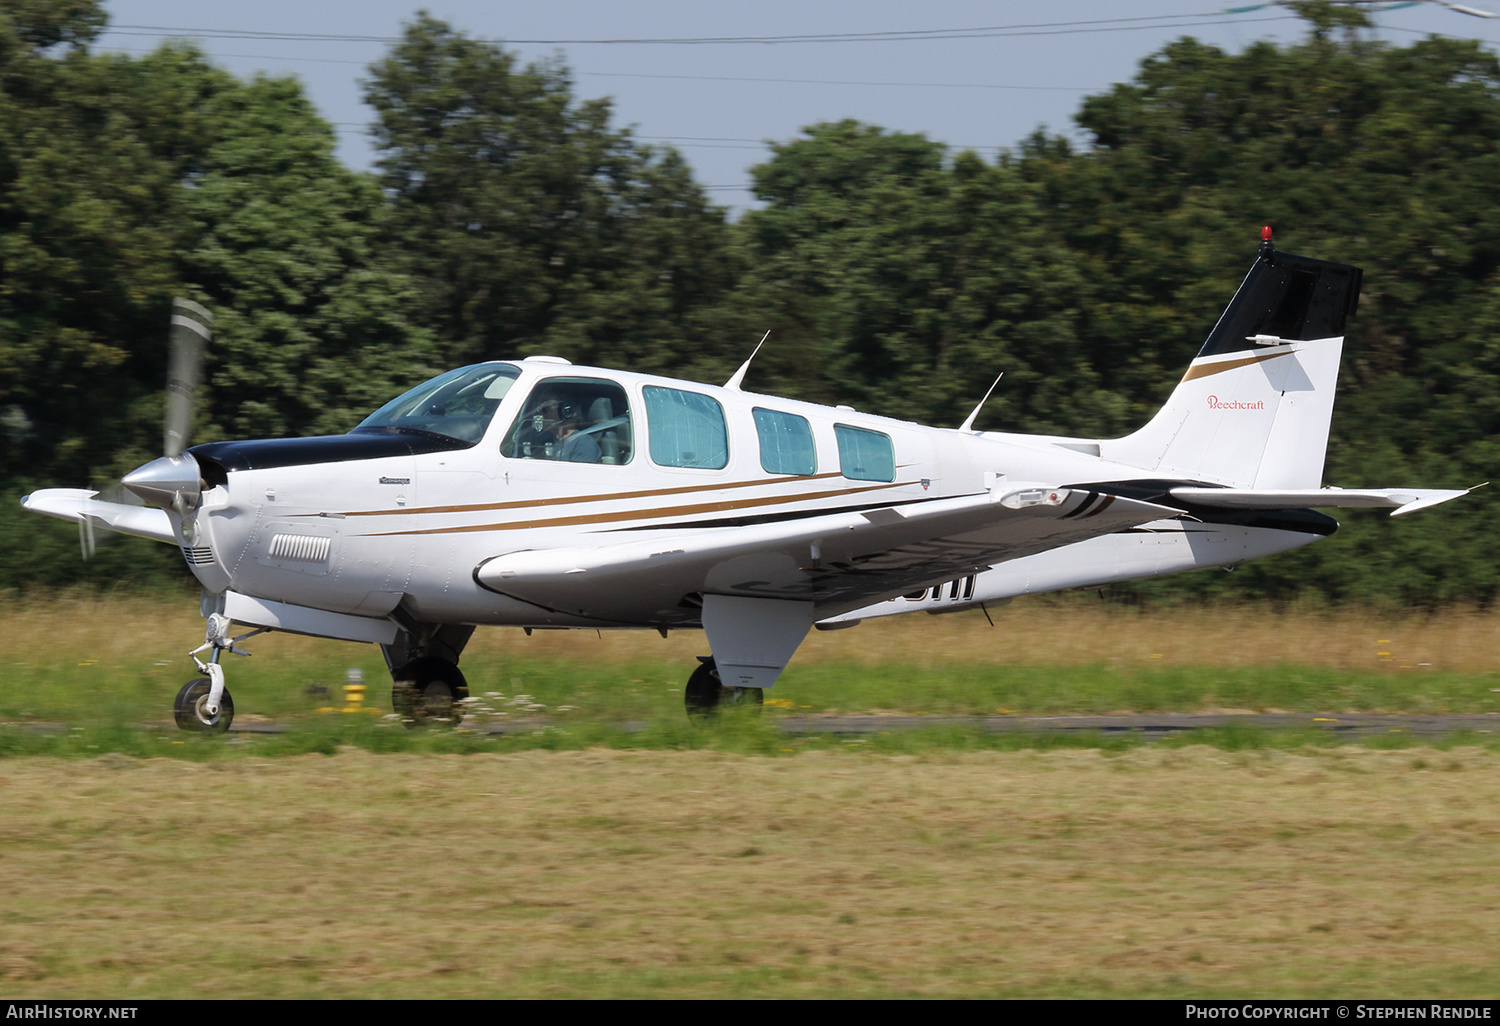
(550, 412)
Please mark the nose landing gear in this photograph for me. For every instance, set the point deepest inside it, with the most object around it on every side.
(203, 705)
(191, 706)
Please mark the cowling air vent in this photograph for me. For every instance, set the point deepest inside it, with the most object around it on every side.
(300, 548)
(199, 555)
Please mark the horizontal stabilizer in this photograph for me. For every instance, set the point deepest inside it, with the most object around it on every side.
(1405, 500)
(80, 505)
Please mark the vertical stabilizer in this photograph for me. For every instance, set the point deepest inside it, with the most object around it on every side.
(1253, 409)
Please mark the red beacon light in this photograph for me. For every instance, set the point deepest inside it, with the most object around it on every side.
(1265, 241)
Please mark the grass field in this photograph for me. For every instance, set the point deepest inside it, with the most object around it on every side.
(1153, 873)
(86, 661)
(576, 860)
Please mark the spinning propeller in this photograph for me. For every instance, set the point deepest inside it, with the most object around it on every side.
(172, 481)
(191, 330)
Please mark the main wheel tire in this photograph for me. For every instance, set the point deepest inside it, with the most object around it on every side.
(189, 712)
(705, 695)
(427, 692)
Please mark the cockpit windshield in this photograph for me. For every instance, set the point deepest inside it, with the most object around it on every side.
(458, 404)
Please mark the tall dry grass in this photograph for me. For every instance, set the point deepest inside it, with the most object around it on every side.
(1066, 631)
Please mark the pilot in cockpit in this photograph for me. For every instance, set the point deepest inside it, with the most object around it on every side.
(561, 421)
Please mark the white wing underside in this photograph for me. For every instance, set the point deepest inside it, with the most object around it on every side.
(838, 562)
(82, 507)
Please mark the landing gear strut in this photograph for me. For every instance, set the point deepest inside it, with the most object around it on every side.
(426, 683)
(203, 705)
(705, 694)
(428, 691)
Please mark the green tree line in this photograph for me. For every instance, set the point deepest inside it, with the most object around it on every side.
(506, 217)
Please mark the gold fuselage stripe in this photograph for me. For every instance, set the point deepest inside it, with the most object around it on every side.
(646, 514)
(484, 507)
(1203, 370)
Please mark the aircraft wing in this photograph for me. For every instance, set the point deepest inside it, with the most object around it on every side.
(837, 561)
(81, 506)
(1406, 500)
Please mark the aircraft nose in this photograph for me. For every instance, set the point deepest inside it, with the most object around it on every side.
(171, 482)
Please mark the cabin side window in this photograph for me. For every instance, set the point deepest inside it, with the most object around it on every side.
(572, 420)
(865, 455)
(786, 443)
(686, 429)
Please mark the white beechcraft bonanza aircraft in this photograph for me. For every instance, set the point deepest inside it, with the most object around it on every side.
(540, 495)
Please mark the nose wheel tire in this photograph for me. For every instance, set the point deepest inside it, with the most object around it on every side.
(190, 712)
(427, 692)
(705, 695)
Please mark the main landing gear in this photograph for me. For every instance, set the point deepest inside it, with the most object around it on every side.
(428, 691)
(705, 695)
(203, 705)
(427, 687)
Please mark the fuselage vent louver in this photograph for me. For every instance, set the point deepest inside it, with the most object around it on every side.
(200, 555)
(302, 548)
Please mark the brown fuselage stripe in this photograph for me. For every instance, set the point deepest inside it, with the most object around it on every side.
(567, 499)
(643, 514)
(1203, 370)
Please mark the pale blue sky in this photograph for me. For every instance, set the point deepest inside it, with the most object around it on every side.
(718, 102)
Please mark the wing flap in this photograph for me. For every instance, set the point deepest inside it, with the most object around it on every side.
(838, 561)
(1405, 500)
(80, 505)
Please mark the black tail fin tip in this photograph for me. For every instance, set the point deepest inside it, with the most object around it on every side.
(1287, 297)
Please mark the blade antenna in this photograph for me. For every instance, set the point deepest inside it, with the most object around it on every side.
(968, 425)
(190, 333)
(739, 376)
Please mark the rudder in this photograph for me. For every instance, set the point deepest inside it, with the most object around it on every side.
(1254, 407)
